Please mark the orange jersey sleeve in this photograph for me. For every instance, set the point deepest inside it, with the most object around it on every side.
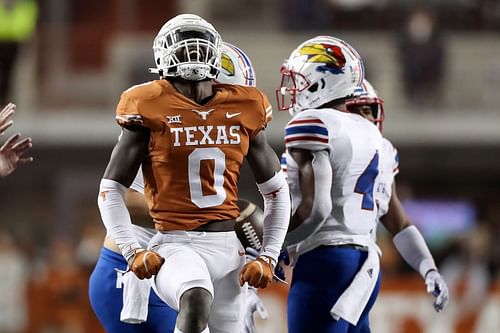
(196, 151)
(133, 106)
(268, 109)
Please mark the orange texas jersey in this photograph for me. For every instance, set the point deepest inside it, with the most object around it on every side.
(195, 151)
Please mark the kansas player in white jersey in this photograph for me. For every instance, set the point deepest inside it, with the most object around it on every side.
(140, 309)
(333, 162)
(406, 237)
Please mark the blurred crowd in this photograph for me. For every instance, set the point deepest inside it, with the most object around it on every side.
(30, 35)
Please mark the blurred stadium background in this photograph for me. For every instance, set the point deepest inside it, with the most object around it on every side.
(436, 63)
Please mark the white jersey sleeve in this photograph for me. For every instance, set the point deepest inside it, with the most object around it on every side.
(138, 183)
(291, 171)
(388, 169)
(308, 132)
(284, 167)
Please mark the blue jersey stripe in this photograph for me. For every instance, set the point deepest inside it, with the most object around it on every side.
(306, 130)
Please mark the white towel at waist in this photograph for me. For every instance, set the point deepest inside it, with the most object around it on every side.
(135, 299)
(353, 300)
(332, 238)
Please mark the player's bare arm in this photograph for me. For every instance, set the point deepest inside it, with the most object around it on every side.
(5, 117)
(12, 151)
(122, 168)
(127, 155)
(262, 158)
(266, 168)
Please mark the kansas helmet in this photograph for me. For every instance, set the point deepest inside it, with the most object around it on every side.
(319, 70)
(236, 67)
(366, 96)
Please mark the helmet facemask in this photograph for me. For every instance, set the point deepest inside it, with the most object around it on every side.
(376, 105)
(291, 84)
(365, 95)
(190, 50)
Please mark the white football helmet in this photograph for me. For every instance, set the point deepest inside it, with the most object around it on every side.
(319, 70)
(366, 95)
(236, 67)
(188, 47)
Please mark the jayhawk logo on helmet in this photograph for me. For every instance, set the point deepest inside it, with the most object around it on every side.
(227, 64)
(329, 55)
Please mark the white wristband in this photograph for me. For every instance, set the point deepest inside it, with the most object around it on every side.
(412, 247)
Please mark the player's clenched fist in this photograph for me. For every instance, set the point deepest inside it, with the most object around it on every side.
(258, 273)
(146, 263)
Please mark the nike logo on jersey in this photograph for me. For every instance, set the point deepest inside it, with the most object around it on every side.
(231, 115)
(203, 114)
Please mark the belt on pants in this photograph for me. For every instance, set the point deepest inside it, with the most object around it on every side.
(347, 246)
(217, 226)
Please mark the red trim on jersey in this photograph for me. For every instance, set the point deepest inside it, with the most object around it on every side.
(302, 121)
(306, 138)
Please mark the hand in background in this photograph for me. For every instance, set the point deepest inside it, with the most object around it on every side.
(5, 115)
(11, 154)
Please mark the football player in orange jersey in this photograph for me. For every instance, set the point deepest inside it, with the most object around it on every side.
(191, 136)
(110, 289)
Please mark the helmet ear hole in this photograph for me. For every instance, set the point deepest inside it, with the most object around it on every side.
(313, 87)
